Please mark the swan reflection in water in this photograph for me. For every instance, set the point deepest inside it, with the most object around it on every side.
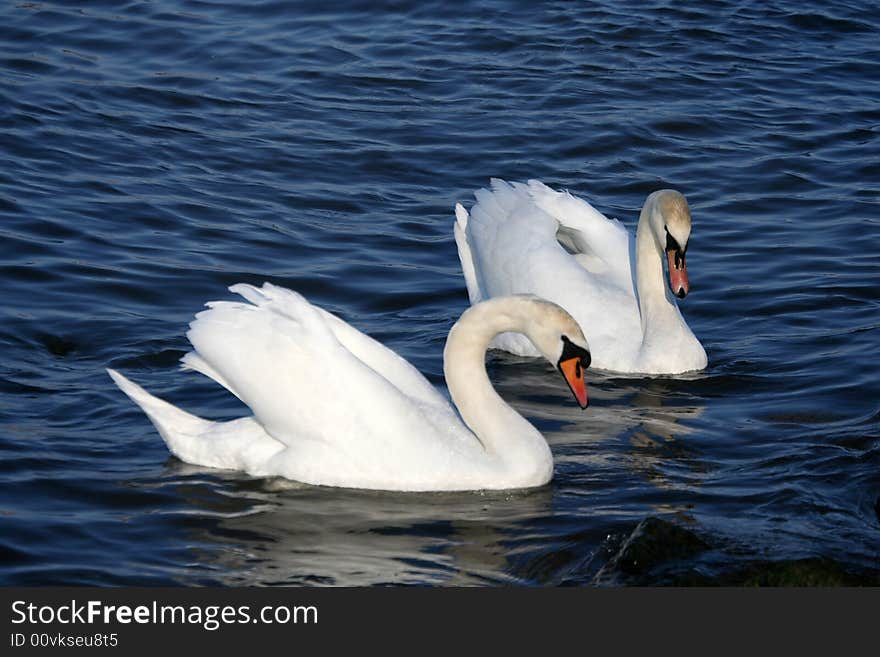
(639, 420)
(295, 534)
(287, 533)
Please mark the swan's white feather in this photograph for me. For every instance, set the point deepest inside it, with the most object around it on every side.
(592, 233)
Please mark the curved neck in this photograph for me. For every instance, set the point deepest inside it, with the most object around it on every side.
(504, 433)
(656, 305)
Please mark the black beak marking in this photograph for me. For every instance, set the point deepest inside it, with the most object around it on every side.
(571, 350)
(673, 245)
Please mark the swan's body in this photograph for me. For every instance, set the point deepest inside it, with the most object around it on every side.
(332, 406)
(531, 239)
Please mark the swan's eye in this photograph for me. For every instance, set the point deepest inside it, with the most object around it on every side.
(673, 245)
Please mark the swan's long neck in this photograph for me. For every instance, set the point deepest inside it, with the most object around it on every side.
(504, 433)
(656, 305)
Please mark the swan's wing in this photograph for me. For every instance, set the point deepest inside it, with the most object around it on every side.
(303, 372)
(395, 369)
(599, 244)
(459, 228)
(513, 241)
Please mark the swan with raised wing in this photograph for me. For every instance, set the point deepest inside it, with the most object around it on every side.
(528, 238)
(331, 406)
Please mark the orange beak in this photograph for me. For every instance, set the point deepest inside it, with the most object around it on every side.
(678, 273)
(574, 375)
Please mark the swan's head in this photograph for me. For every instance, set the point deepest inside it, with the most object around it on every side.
(671, 220)
(559, 338)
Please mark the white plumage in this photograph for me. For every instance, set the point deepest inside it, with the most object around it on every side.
(527, 238)
(332, 406)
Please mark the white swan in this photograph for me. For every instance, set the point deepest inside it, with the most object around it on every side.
(332, 406)
(527, 238)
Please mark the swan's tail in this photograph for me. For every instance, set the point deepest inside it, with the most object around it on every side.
(464, 254)
(240, 444)
(170, 421)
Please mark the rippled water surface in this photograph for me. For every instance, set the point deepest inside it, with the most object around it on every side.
(154, 153)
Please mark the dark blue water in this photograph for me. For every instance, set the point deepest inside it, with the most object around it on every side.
(154, 153)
